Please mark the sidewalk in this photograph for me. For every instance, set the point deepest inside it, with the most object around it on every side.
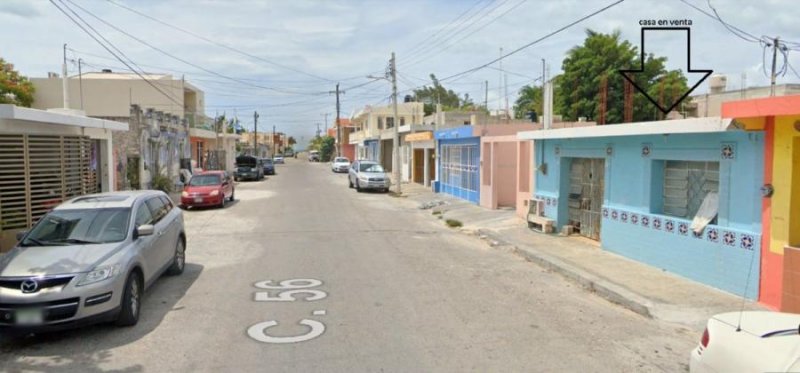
(644, 289)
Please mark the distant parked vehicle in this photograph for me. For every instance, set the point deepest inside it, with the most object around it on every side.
(278, 159)
(210, 188)
(90, 260)
(269, 166)
(288, 153)
(752, 341)
(368, 175)
(313, 156)
(248, 168)
(340, 164)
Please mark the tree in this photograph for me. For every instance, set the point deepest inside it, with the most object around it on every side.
(291, 141)
(431, 95)
(324, 145)
(578, 89)
(14, 88)
(529, 99)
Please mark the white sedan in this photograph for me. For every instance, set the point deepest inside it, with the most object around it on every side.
(340, 164)
(764, 342)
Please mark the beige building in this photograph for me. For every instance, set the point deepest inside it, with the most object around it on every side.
(710, 104)
(110, 95)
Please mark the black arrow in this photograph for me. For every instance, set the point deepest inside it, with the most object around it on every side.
(688, 65)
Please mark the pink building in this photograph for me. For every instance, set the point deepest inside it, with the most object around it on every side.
(505, 166)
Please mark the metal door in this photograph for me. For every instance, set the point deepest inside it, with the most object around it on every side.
(586, 191)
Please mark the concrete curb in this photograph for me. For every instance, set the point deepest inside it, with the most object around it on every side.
(593, 283)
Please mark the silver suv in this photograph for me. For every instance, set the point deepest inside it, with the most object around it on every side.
(90, 260)
(368, 175)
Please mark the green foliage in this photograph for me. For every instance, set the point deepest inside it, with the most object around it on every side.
(430, 95)
(601, 55)
(14, 88)
(291, 141)
(326, 148)
(452, 223)
(529, 99)
(161, 182)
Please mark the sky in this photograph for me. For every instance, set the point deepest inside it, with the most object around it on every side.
(294, 52)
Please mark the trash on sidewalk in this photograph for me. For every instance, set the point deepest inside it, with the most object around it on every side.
(431, 204)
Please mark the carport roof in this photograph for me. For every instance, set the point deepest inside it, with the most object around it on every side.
(14, 112)
(661, 127)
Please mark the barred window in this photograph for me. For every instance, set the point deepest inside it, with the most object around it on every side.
(686, 184)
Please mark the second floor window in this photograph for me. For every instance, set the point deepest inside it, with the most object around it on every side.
(380, 123)
(389, 122)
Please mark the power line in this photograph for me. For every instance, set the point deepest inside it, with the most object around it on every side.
(109, 24)
(409, 60)
(222, 45)
(515, 51)
(441, 50)
(114, 54)
(417, 47)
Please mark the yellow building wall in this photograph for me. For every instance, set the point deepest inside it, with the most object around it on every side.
(785, 225)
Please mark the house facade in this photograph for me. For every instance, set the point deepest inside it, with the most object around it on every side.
(778, 118)
(47, 157)
(681, 195)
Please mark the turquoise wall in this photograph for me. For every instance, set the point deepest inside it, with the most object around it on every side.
(725, 255)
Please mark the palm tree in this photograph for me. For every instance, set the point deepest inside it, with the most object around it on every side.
(529, 99)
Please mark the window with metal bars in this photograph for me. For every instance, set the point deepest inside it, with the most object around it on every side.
(686, 184)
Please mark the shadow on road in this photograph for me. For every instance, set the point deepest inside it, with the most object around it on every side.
(88, 348)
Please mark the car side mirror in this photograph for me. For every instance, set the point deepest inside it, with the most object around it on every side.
(21, 235)
(145, 230)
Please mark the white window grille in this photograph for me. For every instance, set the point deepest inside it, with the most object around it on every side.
(686, 184)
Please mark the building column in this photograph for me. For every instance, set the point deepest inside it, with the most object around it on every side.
(426, 178)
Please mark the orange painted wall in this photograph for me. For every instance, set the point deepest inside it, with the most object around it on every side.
(771, 263)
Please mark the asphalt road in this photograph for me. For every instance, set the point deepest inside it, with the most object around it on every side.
(395, 291)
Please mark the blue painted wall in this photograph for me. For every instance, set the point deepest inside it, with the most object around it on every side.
(632, 223)
(459, 136)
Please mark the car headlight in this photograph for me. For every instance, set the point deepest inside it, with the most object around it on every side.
(184, 194)
(99, 274)
(362, 177)
(214, 192)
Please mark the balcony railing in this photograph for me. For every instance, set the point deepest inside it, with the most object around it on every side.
(200, 121)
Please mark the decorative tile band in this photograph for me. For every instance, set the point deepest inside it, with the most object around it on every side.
(728, 237)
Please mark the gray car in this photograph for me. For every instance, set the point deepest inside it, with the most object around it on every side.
(368, 175)
(90, 260)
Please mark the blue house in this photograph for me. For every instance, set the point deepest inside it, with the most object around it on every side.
(637, 188)
(458, 163)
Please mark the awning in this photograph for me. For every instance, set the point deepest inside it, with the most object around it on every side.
(661, 127)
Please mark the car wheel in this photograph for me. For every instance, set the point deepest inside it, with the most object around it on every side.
(358, 187)
(349, 183)
(179, 261)
(131, 303)
(222, 202)
(233, 192)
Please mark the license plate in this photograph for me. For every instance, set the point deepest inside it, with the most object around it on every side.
(198, 199)
(31, 316)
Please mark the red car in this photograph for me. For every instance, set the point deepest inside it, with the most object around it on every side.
(209, 188)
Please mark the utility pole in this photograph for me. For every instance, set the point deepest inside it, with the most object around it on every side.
(255, 134)
(337, 92)
(396, 167)
(486, 96)
(318, 130)
(774, 60)
(80, 80)
(326, 122)
(64, 83)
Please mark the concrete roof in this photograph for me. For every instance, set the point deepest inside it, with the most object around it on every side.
(8, 111)
(661, 127)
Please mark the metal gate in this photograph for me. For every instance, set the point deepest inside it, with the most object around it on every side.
(460, 170)
(39, 172)
(586, 179)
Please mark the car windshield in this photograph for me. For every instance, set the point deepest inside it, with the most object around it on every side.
(205, 180)
(267, 161)
(341, 160)
(80, 227)
(371, 167)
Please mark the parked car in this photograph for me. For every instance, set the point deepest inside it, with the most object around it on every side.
(90, 260)
(288, 153)
(313, 156)
(760, 341)
(368, 175)
(340, 164)
(210, 188)
(269, 166)
(278, 159)
(248, 168)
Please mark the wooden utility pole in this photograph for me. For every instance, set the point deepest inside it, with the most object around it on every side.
(396, 167)
(255, 133)
(338, 125)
